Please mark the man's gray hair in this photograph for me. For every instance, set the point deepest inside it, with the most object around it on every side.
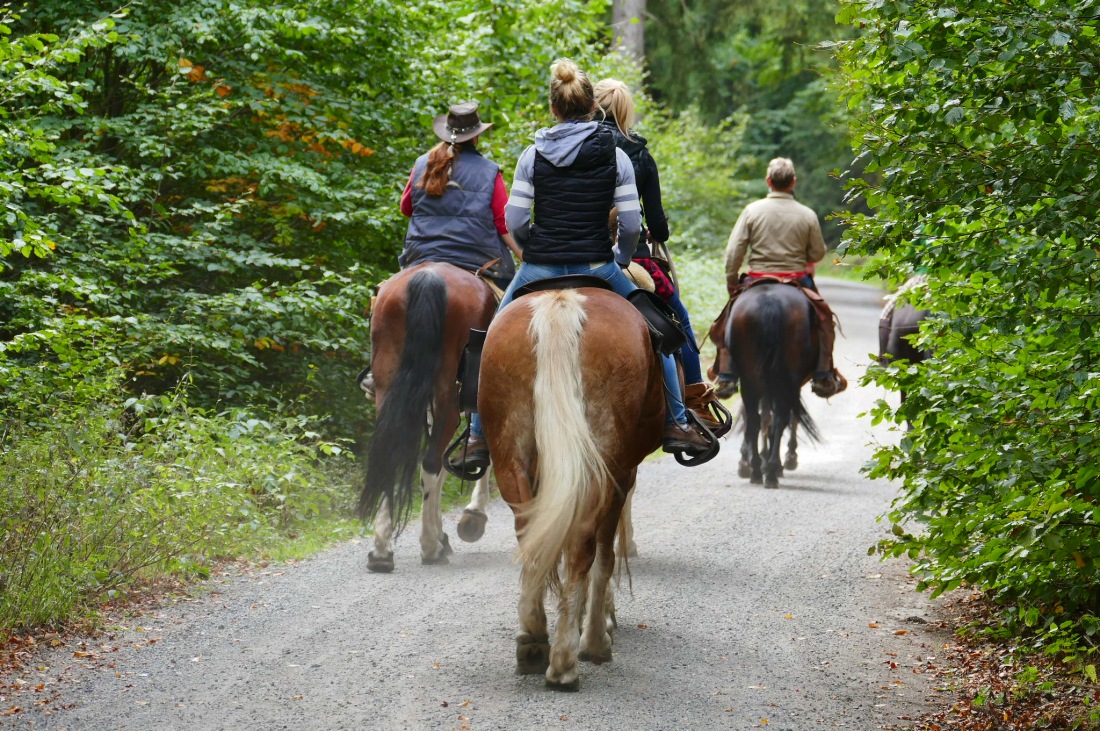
(781, 173)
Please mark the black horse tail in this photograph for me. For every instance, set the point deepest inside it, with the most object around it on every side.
(402, 421)
(780, 379)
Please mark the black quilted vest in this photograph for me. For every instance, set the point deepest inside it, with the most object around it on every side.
(572, 205)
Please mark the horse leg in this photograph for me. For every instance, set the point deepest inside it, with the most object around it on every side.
(750, 449)
(598, 621)
(791, 460)
(434, 546)
(380, 560)
(471, 526)
(563, 673)
(533, 638)
(772, 468)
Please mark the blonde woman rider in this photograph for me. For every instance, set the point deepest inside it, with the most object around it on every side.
(563, 191)
(617, 106)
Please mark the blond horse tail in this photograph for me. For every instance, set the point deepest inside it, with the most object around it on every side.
(571, 470)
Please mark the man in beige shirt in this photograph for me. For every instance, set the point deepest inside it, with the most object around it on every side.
(782, 239)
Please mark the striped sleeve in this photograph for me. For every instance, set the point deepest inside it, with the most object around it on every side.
(517, 214)
(628, 209)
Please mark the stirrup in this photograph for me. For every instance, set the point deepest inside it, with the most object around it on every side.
(460, 469)
(706, 456)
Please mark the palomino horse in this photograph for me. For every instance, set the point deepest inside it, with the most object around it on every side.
(772, 335)
(419, 326)
(572, 401)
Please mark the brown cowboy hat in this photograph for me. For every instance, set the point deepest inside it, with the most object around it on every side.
(461, 123)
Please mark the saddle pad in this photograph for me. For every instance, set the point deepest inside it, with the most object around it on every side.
(568, 281)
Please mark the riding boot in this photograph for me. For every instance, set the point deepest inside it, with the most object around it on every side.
(697, 398)
(471, 458)
(827, 380)
(722, 373)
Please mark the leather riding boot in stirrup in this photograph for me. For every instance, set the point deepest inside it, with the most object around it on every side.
(697, 398)
(472, 457)
(723, 374)
(827, 379)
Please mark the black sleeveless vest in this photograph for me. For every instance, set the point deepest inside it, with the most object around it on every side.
(572, 205)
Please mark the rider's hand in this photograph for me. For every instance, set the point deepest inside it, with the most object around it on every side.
(733, 286)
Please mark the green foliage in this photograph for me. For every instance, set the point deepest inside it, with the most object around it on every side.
(107, 497)
(979, 126)
(759, 60)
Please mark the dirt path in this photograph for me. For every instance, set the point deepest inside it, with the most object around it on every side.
(751, 608)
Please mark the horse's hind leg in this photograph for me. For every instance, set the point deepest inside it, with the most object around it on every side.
(380, 560)
(598, 622)
(563, 673)
(434, 546)
(471, 526)
(533, 638)
(791, 460)
(772, 468)
(750, 448)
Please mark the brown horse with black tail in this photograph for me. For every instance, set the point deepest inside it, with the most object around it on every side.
(420, 324)
(772, 335)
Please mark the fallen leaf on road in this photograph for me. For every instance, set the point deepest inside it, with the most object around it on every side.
(873, 625)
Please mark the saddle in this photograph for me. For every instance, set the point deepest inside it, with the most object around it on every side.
(665, 330)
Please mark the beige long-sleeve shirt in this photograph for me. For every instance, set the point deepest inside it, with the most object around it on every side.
(780, 235)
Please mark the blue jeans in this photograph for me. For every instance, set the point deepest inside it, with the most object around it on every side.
(621, 285)
(689, 353)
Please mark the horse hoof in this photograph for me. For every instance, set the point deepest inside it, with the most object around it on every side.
(743, 470)
(471, 527)
(447, 550)
(532, 655)
(756, 479)
(599, 655)
(772, 483)
(791, 463)
(380, 563)
(569, 682)
(440, 559)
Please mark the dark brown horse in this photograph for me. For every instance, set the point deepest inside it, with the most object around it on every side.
(572, 401)
(772, 335)
(419, 326)
(898, 325)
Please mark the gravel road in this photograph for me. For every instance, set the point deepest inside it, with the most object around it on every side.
(750, 608)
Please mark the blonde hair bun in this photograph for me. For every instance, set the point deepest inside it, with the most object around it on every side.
(564, 70)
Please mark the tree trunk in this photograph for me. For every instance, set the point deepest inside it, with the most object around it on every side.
(626, 20)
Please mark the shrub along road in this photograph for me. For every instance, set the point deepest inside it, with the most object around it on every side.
(750, 608)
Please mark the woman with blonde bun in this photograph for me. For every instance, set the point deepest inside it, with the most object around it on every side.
(563, 191)
(617, 107)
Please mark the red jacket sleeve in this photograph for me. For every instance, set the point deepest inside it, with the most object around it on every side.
(500, 197)
(407, 196)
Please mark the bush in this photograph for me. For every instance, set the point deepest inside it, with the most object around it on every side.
(107, 497)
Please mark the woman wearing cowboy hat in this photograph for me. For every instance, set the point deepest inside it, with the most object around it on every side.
(455, 203)
(455, 200)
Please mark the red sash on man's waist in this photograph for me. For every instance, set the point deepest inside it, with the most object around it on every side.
(777, 275)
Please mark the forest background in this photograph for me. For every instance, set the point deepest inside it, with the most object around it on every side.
(199, 198)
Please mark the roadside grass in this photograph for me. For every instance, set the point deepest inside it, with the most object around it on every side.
(108, 500)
